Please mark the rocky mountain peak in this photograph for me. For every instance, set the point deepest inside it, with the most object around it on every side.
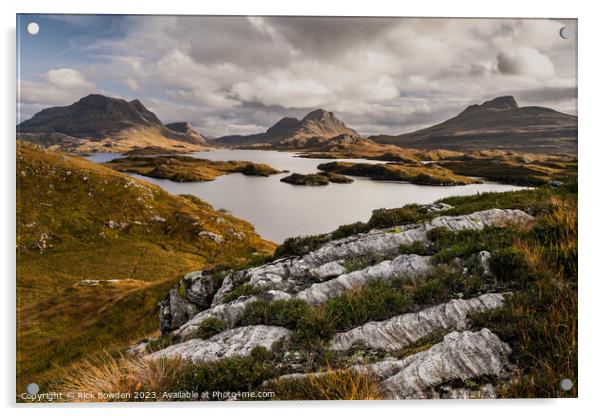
(284, 125)
(506, 102)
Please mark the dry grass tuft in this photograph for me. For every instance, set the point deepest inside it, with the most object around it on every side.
(330, 385)
(120, 374)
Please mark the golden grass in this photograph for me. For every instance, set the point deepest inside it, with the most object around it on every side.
(119, 374)
(330, 385)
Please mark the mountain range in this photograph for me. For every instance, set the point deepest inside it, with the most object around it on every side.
(292, 133)
(496, 124)
(100, 123)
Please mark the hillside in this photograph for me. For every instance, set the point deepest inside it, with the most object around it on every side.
(97, 249)
(291, 133)
(470, 297)
(100, 123)
(496, 124)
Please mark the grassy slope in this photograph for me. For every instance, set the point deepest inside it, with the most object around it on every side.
(187, 168)
(77, 220)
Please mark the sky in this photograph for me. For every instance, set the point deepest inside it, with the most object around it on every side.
(241, 74)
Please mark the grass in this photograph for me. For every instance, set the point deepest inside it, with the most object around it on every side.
(331, 385)
(540, 322)
(77, 220)
(414, 173)
(187, 168)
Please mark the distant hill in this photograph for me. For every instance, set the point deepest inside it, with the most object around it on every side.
(496, 124)
(292, 133)
(100, 123)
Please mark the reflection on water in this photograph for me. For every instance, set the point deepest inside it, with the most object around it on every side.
(280, 210)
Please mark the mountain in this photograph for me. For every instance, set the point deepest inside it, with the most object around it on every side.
(292, 133)
(185, 128)
(100, 123)
(496, 124)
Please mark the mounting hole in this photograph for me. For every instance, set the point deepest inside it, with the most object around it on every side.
(33, 28)
(33, 388)
(566, 32)
(566, 384)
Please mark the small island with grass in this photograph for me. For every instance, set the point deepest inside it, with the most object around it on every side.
(416, 174)
(316, 179)
(186, 168)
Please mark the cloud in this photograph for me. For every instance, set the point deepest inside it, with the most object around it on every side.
(239, 74)
(59, 86)
(525, 61)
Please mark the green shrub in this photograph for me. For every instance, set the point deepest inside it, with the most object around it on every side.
(430, 292)
(230, 374)
(383, 217)
(375, 301)
(298, 246)
(417, 247)
(510, 266)
(350, 229)
(242, 290)
(209, 327)
(286, 313)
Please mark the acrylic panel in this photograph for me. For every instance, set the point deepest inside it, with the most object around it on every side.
(295, 208)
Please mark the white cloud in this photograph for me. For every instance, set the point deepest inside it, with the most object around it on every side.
(231, 74)
(525, 61)
(59, 86)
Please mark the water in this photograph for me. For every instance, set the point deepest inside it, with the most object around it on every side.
(280, 210)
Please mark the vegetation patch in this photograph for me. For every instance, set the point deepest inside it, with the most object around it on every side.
(187, 168)
(419, 174)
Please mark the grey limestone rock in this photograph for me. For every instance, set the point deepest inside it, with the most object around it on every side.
(403, 330)
(232, 343)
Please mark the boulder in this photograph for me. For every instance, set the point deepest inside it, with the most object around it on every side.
(460, 356)
(232, 343)
(297, 273)
(403, 330)
(410, 265)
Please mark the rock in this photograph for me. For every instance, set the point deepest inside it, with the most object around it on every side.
(234, 342)
(138, 349)
(403, 265)
(484, 257)
(437, 207)
(460, 356)
(486, 391)
(296, 273)
(199, 288)
(555, 184)
(227, 312)
(403, 330)
(175, 311)
(212, 236)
